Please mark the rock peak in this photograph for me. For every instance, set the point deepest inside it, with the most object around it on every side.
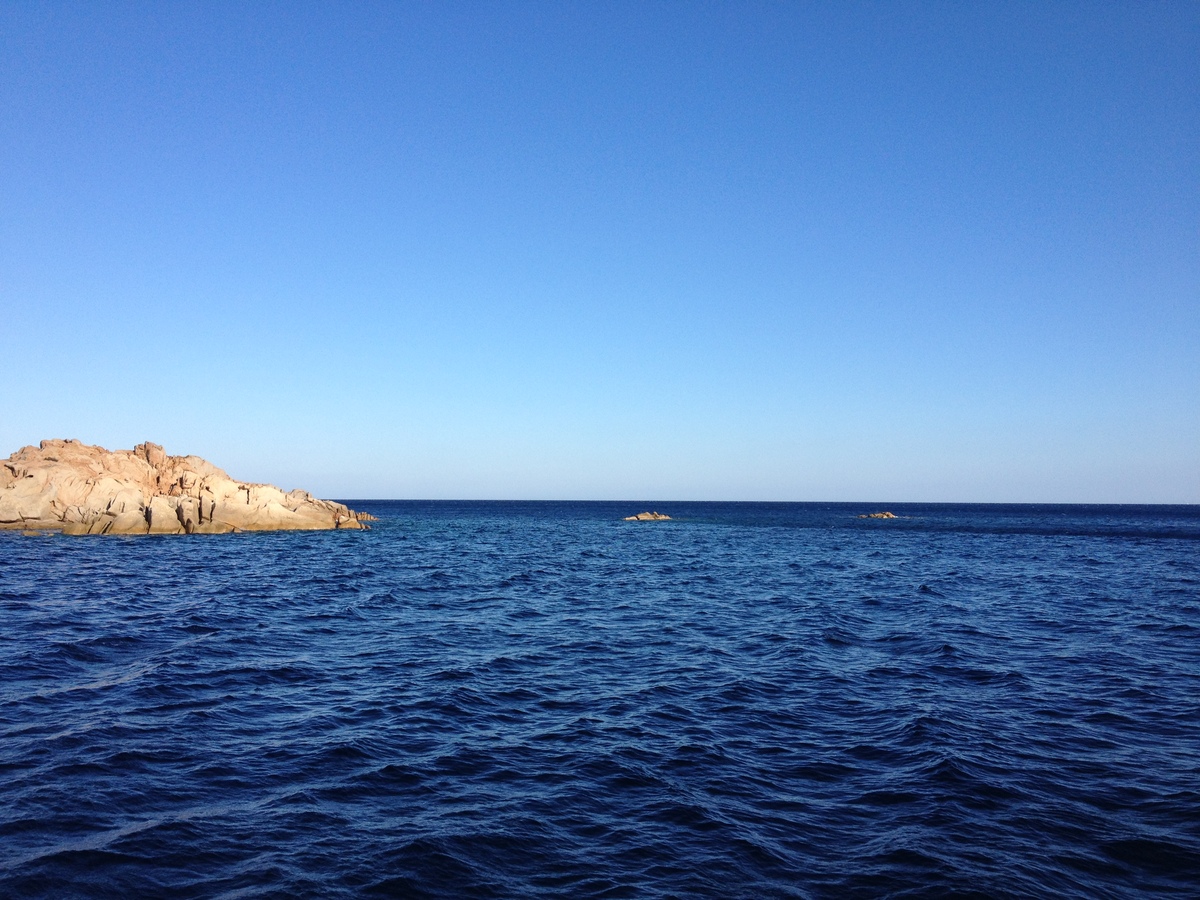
(151, 453)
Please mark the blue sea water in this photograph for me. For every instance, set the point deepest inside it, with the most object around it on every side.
(542, 700)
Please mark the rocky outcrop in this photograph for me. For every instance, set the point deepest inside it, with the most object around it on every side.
(878, 515)
(79, 489)
(648, 517)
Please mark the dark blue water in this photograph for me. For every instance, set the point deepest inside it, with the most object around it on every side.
(537, 699)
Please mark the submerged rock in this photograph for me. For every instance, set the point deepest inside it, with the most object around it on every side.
(648, 517)
(879, 515)
(79, 489)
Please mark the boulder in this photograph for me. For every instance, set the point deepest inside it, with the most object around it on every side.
(648, 517)
(76, 488)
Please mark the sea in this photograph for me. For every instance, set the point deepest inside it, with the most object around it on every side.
(539, 699)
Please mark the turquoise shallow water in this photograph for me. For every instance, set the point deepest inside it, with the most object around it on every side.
(538, 699)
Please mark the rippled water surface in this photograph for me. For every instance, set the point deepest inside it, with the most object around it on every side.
(538, 699)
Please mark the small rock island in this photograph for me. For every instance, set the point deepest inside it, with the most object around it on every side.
(879, 515)
(75, 488)
(648, 517)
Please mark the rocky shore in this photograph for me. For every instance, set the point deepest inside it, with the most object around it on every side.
(80, 489)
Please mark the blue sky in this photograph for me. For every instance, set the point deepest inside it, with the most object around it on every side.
(918, 251)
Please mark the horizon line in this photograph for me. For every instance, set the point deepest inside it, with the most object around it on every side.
(781, 502)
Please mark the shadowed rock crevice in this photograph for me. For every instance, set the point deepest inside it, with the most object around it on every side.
(79, 489)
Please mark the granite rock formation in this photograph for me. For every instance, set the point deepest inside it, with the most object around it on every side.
(648, 517)
(79, 489)
(878, 515)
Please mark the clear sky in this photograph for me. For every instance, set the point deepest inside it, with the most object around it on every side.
(761, 251)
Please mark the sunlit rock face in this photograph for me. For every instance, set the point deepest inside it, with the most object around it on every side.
(80, 489)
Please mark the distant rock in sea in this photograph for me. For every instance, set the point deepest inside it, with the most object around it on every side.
(879, 515)
(79, 489)
(648, 517)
